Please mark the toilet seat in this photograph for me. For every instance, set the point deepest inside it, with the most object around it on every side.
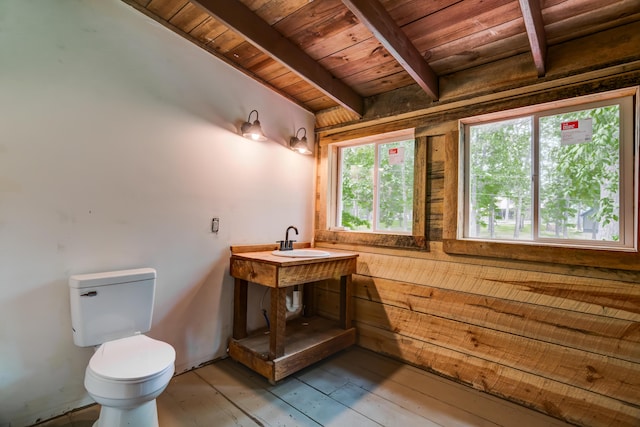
(132, 359)
(126, 373)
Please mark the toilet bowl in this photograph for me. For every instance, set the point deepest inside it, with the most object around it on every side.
(125, 376)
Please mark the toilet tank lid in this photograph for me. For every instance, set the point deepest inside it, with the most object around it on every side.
(111, 277)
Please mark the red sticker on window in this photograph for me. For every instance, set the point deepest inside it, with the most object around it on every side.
(570, 125)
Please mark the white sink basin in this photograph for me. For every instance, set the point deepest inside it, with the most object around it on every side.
(301, 253)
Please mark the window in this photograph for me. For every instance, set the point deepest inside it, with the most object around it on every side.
(374, 185)
(560, 174)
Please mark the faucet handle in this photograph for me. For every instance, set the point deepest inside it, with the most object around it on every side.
(283, 244)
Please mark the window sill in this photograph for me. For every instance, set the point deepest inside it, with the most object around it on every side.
(601, 258)
(402, 241)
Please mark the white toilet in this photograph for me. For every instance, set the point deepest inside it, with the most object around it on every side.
(128, 370)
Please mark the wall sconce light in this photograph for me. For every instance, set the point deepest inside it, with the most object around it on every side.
(300, 144)
(253, 130)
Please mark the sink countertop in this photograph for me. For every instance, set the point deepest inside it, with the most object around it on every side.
(262, 253)
(268, 257)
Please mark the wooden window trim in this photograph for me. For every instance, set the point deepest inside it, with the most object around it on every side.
(418, 237)
(549, 254)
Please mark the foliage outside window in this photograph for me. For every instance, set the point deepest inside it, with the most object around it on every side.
(559, 176)
(375, 186)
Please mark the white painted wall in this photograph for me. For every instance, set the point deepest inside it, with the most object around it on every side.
(118, 144)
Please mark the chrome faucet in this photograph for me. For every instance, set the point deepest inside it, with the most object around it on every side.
(286, 244)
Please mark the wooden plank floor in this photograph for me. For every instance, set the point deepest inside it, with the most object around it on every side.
(354, 388)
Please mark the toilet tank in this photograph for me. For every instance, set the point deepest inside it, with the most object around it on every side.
(111, 305)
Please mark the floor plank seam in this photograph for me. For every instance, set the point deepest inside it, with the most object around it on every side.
(329, 395)
(248, 414)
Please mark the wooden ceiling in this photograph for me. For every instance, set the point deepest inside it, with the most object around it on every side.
(336, 55)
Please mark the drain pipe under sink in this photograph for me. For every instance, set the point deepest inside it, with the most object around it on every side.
(293, 302)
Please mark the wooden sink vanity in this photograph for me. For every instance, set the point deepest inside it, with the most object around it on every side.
(288, 346)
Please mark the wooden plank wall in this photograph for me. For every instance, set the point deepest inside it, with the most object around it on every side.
(562, 339)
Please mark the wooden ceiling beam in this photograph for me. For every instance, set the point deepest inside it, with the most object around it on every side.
(376, 18)
(532, 15)
(242, 20)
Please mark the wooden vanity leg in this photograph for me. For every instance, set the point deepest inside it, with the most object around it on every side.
(346, 304)
(278, 322)
(240, 309)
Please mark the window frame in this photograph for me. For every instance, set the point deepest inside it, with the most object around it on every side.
(327, 230)
(376, 210)
(454, 241)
